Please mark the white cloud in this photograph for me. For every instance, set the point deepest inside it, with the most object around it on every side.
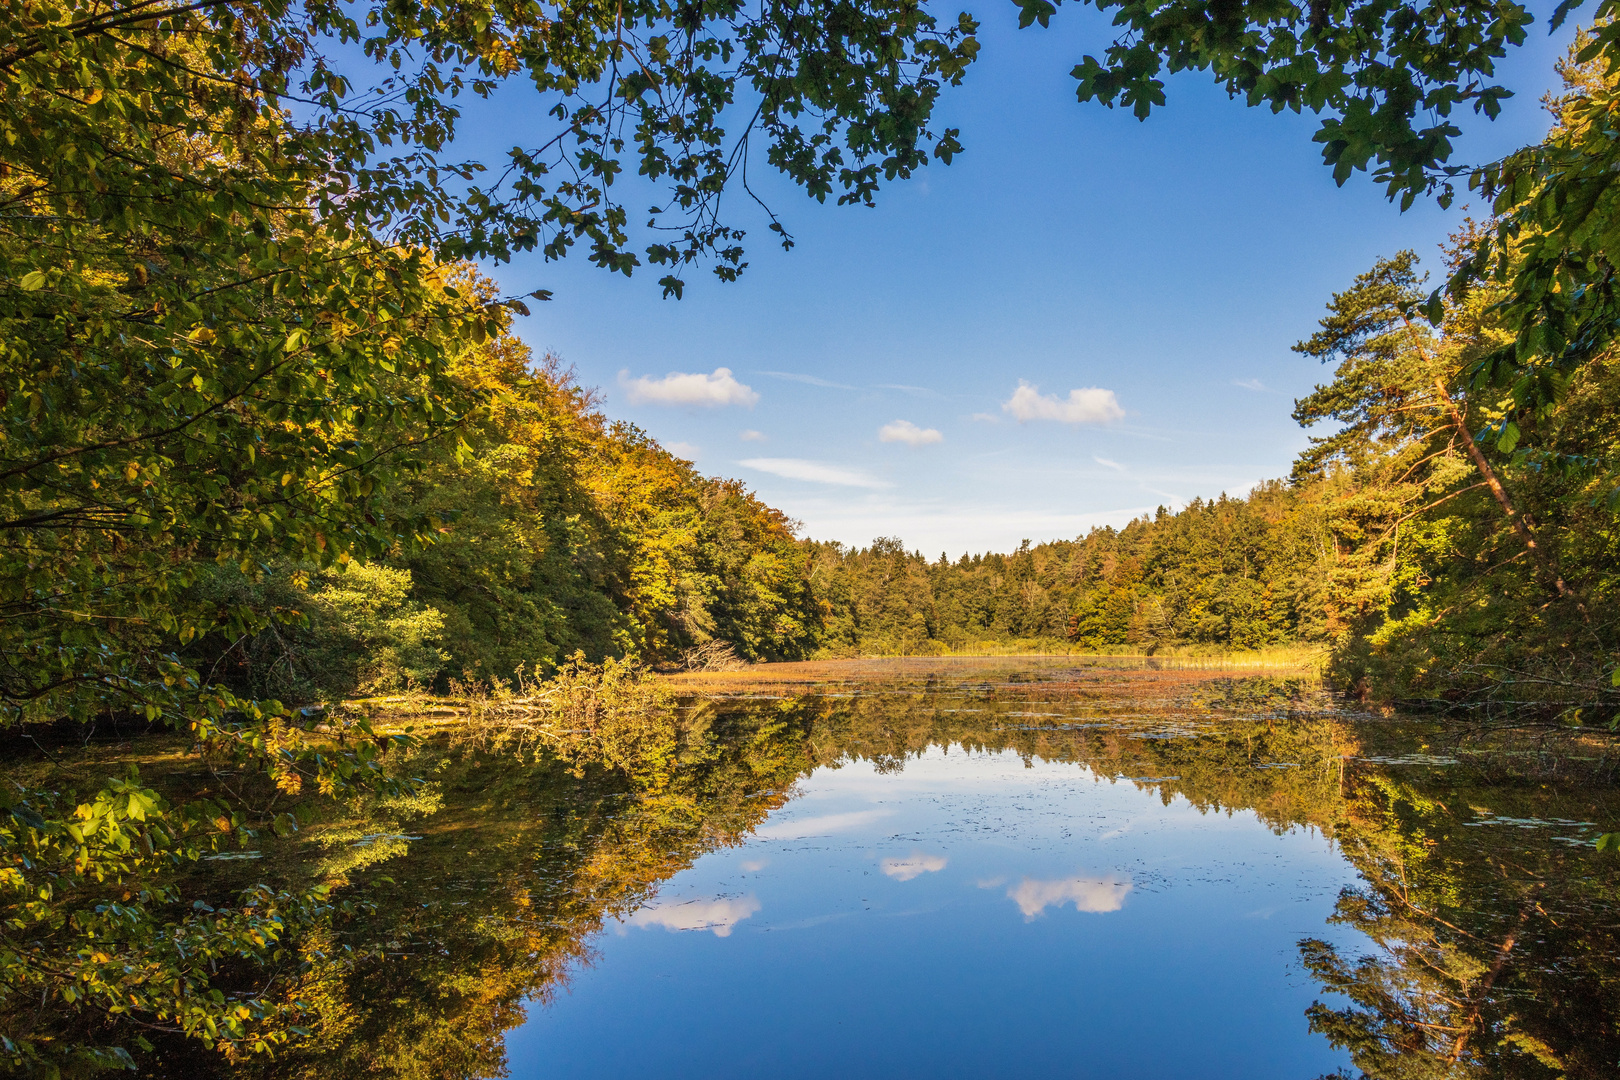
(1086, 894)
(910, 434)
(718, 915)
(820, 826)
(682, 450)
(679, 388)
(808, 380)
(1108, 463)
(1091, 405)
(753, 866)
(751, 435)
(814, 471)
(914, 865)
(1249, 384)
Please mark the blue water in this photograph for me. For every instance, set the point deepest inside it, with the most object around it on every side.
(969, 916)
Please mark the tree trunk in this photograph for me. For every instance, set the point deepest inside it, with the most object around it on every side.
(1516, 519)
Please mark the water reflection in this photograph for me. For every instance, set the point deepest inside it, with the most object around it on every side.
(1494, 951)
(960, 873)
(820, 825)
(1113, 910)
(1086, 894)
(914, 865)
(718, 914)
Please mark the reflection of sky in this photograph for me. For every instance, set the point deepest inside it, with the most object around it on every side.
(1086, 894)
(820, 825)
(914, 865)
(718, 914)
(968, 916)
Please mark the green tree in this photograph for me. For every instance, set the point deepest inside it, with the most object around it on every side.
(198, 370)
(1459, 569)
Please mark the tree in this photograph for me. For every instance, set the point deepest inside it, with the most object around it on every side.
(1459, 568)
(1372, 68)
(1546, 266)
(842, 98)
(197, 370)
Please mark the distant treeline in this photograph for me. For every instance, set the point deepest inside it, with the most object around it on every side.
(1236, 573)
(1426, 562)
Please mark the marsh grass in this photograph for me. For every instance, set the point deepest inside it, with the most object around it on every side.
(1171, 658)
(617, 715)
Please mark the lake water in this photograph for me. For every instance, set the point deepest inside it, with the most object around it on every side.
(979, 869)
(969, 914)
(1003, 869)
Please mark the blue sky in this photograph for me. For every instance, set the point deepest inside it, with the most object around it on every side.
(1162, 269)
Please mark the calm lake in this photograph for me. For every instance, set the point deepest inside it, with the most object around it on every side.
(970, 912)
(997, 869)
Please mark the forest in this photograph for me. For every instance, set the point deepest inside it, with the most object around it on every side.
(1421, 568)
(1420, 573)
(268, 441)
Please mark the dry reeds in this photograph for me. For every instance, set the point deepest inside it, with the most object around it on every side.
(616, 714)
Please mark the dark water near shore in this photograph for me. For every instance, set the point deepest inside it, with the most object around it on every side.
(993, 869)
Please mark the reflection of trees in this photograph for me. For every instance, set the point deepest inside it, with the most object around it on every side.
(1493, 956)
(1495, 950)
(509, 882)
(1264, 752)
(506, 887)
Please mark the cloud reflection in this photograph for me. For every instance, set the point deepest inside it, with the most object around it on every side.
(820, 826)
(718, 914)
(914, 865)
(1086, 894)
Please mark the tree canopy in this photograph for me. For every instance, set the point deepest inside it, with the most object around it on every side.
(352, 112)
